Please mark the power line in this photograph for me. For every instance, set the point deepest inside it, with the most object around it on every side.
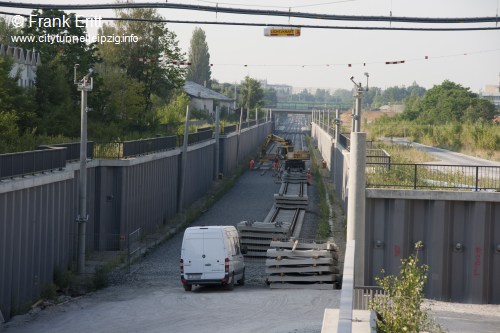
(260, 12)
(307, 26)
(268, 6)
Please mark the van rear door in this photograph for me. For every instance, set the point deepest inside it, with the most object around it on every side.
(203, 253)
(214, 251)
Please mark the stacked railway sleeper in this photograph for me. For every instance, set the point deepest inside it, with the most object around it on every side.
(294, 264)
(280, 224)
(292, 194)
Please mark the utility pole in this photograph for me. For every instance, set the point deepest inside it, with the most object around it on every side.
(180, 201)
(84, 85)
(216, 136)
(239, 134)
(357, 189)
(356, 121)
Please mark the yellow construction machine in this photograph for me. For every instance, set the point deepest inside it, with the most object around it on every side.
(294, 159)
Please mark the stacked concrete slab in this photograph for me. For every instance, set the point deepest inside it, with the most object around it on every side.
(298, 265)
(257, 236)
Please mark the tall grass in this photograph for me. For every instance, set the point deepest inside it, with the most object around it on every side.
(477, 137)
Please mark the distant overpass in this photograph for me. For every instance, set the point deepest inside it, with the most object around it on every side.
(289, 110)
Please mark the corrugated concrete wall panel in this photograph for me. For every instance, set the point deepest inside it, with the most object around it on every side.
(228, 151)
(199, 173)
(459, 238)
(146, 193)
(325, 145)
(36, 229)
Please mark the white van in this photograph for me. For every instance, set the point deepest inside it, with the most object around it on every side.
(212, 255)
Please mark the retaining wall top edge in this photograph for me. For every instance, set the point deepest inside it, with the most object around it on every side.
(21, 183)
(432, 195)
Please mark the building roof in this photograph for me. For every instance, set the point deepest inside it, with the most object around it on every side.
(198, 91)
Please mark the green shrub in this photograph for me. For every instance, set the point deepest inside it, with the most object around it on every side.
(400, 308)
(49, 291)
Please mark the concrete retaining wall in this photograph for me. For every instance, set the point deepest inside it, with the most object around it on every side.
(37, 213)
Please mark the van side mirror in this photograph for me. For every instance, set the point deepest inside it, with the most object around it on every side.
(244, 249)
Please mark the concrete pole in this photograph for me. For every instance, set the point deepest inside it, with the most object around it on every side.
(336, 143)
(180, 201)
(238, 140)
(82, 189)
(256, 116)
(356, 203)
(328, 121)
(217, 133)
(358, 111)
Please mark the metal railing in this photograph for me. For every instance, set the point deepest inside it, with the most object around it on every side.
(31, 162)
(72, 149)
(229, 129)
(433, 176)
(197, 137)
(345, 141)
(378, 156)
(147, 146)
(363, 295)
(124, 149)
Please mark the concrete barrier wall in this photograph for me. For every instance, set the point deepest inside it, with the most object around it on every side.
(325, 145)
(37, 229)
(337, 158)
(38, 213)
(228, 153)
(200, 171)
(460, 232)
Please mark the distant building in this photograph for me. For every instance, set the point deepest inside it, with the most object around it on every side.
(25, 64)
(281, 89)
(205, 99)
(492, 93)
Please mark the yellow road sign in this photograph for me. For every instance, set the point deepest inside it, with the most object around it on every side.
(281, 32)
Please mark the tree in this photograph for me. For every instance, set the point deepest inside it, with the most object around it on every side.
(56, 109)
(251, 94)
(174, 114)
(56, 97)
(270, 98)
(15, 100)
(121, 104)
(69, 53)
(6, 31)
(199, 57)
(450, 101)
(153, 60)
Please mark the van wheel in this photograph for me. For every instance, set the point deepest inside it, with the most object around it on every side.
(241, 282)
(188, 287)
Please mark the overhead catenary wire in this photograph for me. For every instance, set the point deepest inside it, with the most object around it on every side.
(308, 26)
(258, 12)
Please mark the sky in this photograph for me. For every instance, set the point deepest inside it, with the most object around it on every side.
(321, 57)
